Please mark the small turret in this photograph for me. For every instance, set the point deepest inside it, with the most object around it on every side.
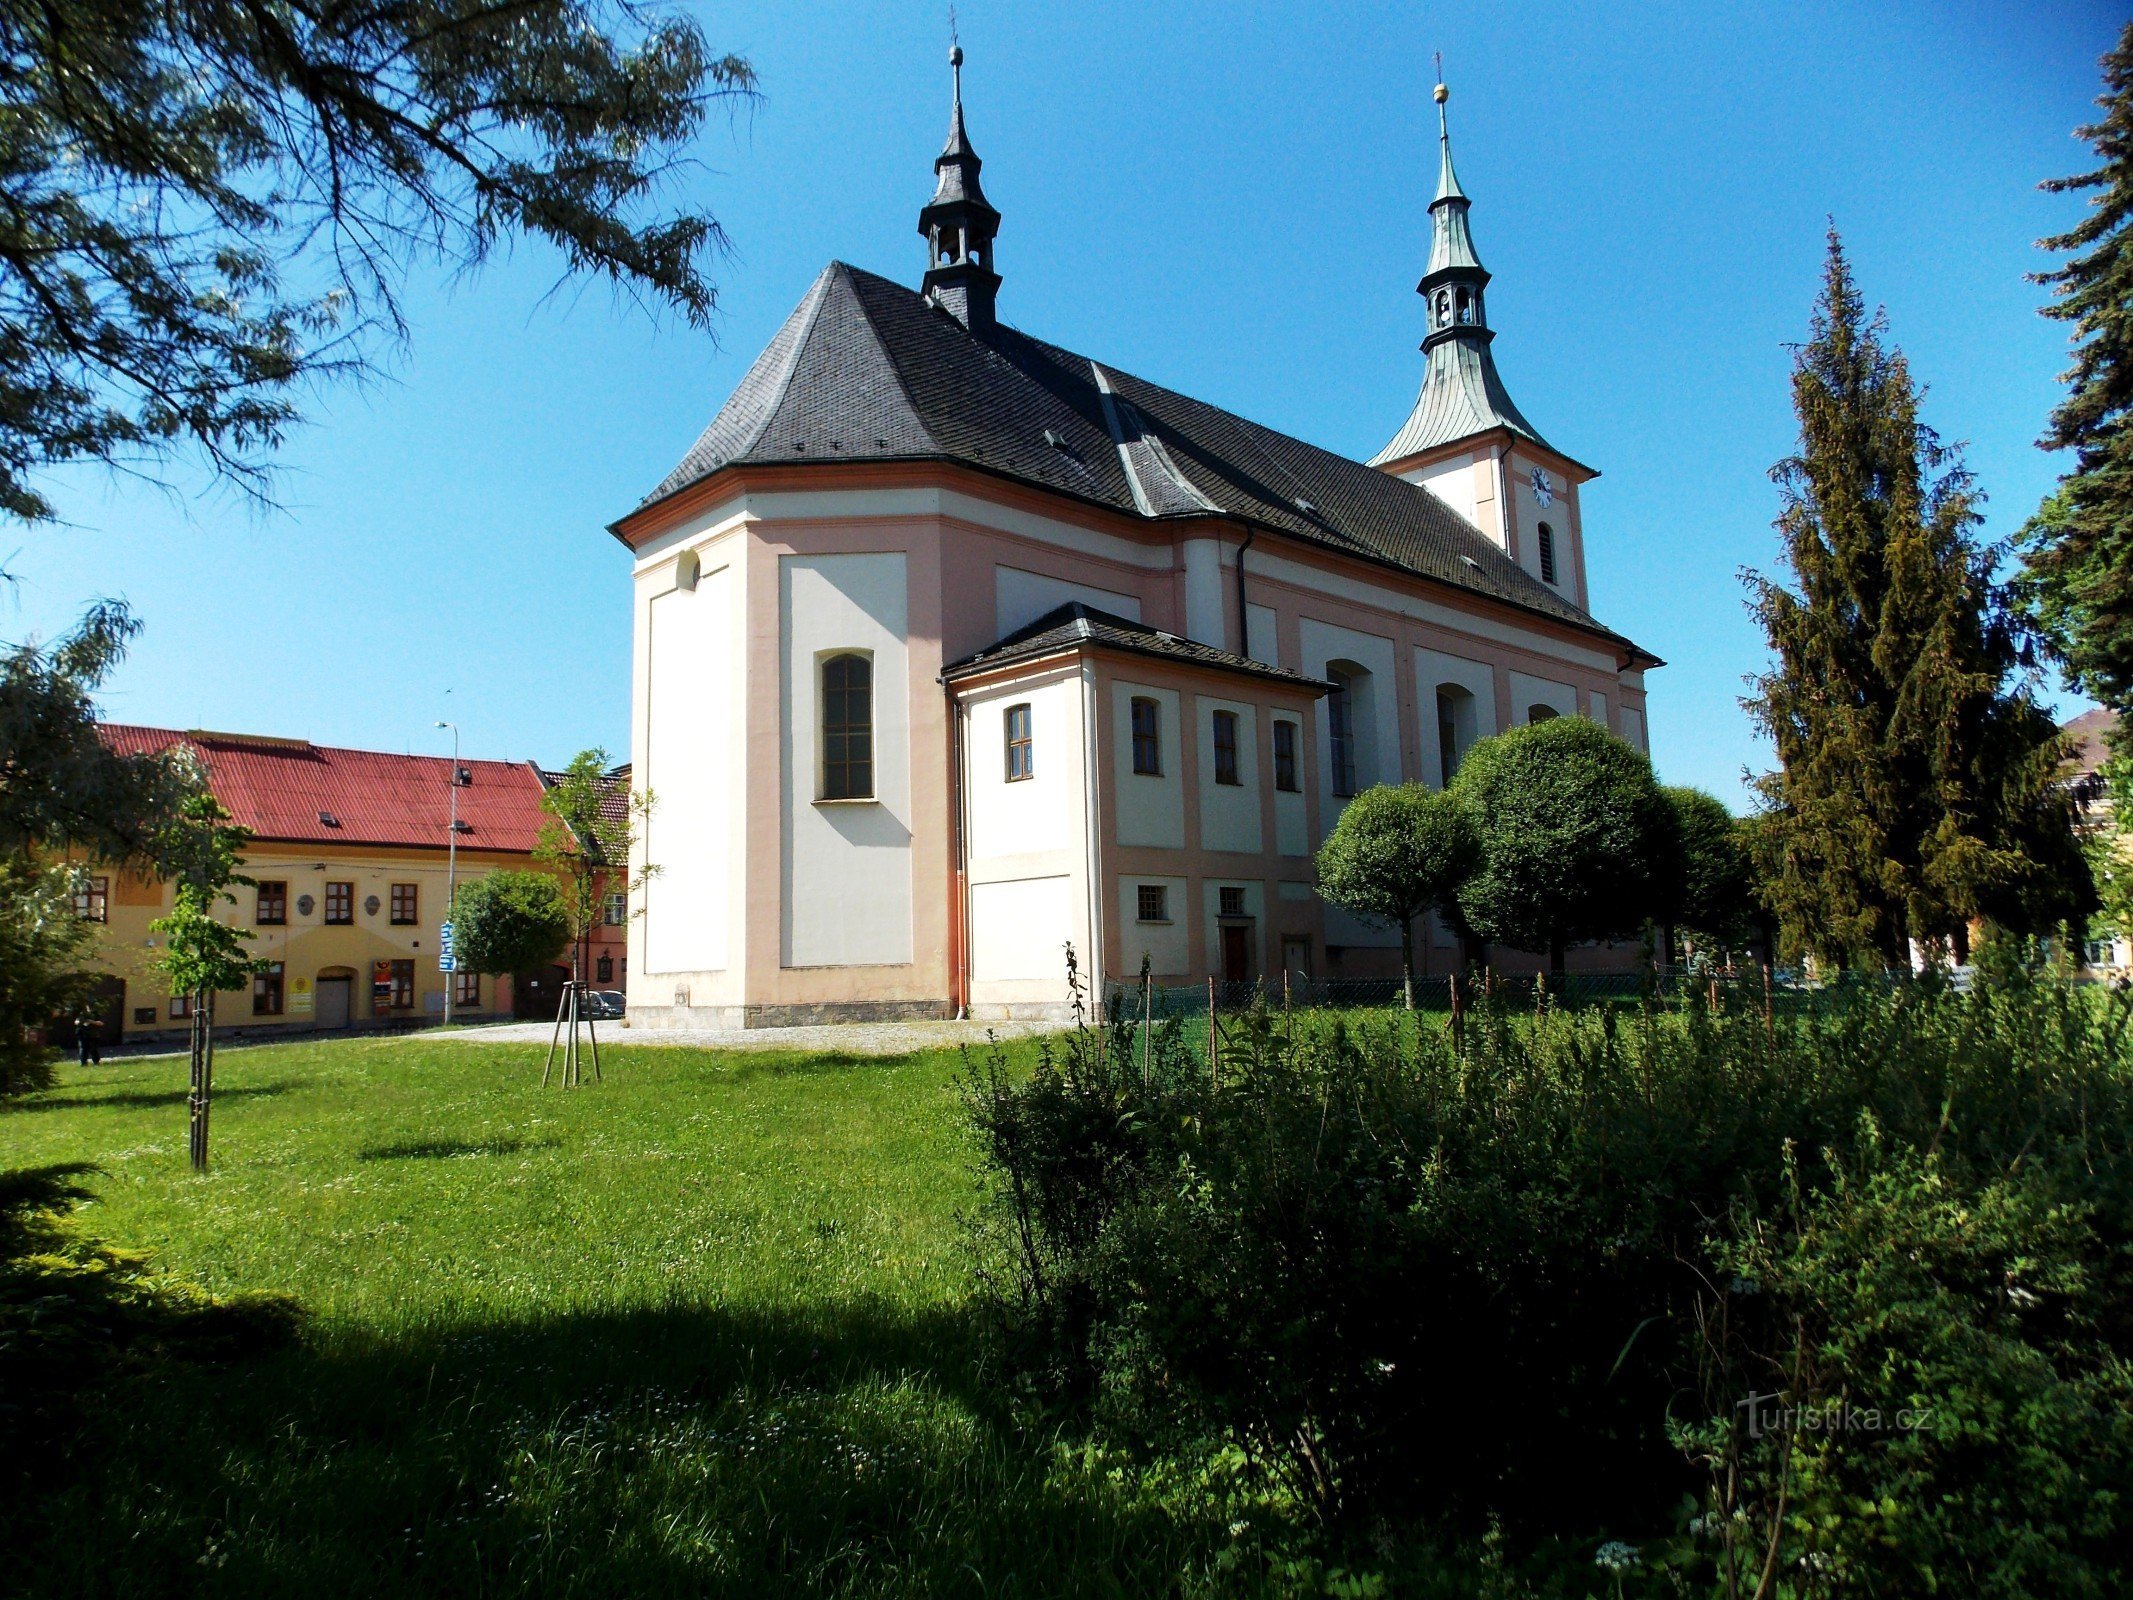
(959, 225)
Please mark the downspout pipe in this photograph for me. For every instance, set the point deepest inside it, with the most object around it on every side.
(1244, 612)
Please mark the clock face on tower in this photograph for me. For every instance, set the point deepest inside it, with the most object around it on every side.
(1543, 491)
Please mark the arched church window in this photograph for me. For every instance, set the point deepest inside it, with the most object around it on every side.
(1547, 553)
(848, 728)
(1455, 727)
(1346, 724)
(1540, 713)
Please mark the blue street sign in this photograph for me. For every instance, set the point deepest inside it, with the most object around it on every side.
(446, 960)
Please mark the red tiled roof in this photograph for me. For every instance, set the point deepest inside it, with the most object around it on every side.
(285, 789)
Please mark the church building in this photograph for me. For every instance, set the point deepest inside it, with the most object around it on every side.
(954, 649)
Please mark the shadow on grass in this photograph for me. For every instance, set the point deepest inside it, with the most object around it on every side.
(855, 1449)
(745, 1065)
(448, 1149)
(132, 1099)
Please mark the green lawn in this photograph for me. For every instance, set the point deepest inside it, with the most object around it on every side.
(702, 1328)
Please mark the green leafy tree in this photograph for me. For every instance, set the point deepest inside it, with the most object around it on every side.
(1397, 851)
(205, 207)
(1917, 786)
(203, 955)
(1577, 841)
(590, 838)
(2078, 550)
(64, 792)
(509, 923)
(1717, 897)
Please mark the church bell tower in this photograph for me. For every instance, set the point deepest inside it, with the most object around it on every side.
(959, 225)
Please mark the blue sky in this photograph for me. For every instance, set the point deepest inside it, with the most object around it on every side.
(1225, 198)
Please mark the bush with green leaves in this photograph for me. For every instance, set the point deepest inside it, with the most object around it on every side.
(1577, 840)
(509, 922)
(1412, 1287)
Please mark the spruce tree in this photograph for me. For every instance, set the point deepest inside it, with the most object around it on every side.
(2079, 548)
(1916, 789)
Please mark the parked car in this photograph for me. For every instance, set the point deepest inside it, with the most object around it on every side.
(606, 1005)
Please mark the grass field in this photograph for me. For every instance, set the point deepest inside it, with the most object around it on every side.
(702, 1328)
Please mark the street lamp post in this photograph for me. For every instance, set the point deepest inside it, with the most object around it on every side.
(451, 868)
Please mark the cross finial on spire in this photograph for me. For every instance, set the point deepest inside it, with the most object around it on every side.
(955, 57)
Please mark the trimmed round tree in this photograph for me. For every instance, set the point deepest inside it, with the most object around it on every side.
(509, 922)
(1717, 882)
(1577, 841)
(1398, 850)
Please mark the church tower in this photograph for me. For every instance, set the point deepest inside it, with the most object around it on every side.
(959, 225)
(1465, 440)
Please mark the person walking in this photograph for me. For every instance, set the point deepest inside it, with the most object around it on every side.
(89, 1041)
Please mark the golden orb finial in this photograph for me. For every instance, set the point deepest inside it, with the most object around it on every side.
(1443, 94)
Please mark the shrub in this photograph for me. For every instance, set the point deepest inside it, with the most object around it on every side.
(1403, 1280)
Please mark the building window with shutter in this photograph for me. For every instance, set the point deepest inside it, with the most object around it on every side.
(340, 903)
(266, 990)
(1020, 752)
(1226, 749)
(848, 728)
(272, 907)
(1547, 553)
(1152, 903)
(1147, 737)
(405, 906)
(1285, 756)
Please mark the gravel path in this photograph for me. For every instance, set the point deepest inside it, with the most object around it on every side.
(851, 1038)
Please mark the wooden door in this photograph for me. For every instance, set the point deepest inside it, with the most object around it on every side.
(1236, 953)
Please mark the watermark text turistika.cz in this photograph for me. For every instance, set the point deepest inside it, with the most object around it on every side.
(1773, 1413)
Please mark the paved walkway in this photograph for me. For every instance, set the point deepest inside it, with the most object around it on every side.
(851, 1038)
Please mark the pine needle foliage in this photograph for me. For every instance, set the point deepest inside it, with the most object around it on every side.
(1916, 790)
(2078, 550)
(203, 206)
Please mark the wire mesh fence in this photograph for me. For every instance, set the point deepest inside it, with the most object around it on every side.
(1214, 1005)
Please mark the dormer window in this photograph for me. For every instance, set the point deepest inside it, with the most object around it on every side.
(326, 819)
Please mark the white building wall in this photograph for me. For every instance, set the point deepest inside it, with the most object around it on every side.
(1633, 728)
(1596, 708)
(1433, 669)
(1292, 821)
(1031, 814)
(847, 864)
(1019, 928)
(1151, 808)
(1377, 711)
(688, 705)
(1528, 691)
(1265, 638)
(1167, 945)
(1206, 618)
(1229, 813)
(1452, 481)
(1020, 598)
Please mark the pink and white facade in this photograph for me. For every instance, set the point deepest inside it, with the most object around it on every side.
(954, 649)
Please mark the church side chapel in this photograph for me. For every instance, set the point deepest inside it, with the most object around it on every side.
(954, 648)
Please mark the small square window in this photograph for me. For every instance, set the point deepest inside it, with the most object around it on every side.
(1153, 902)
(181, 1007)
(406, 905)
(1020, 750)
(1232, 901)
(1226, 749)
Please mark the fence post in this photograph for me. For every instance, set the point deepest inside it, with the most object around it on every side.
(1214, 1071)
(1769, 1020)
(1146, 1026)
(1458, 1015)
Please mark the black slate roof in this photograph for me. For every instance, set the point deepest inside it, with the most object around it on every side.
(1075, 624)
(866, 370)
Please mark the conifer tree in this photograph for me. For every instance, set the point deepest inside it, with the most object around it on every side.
(2079, 548)
(1916, 789)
